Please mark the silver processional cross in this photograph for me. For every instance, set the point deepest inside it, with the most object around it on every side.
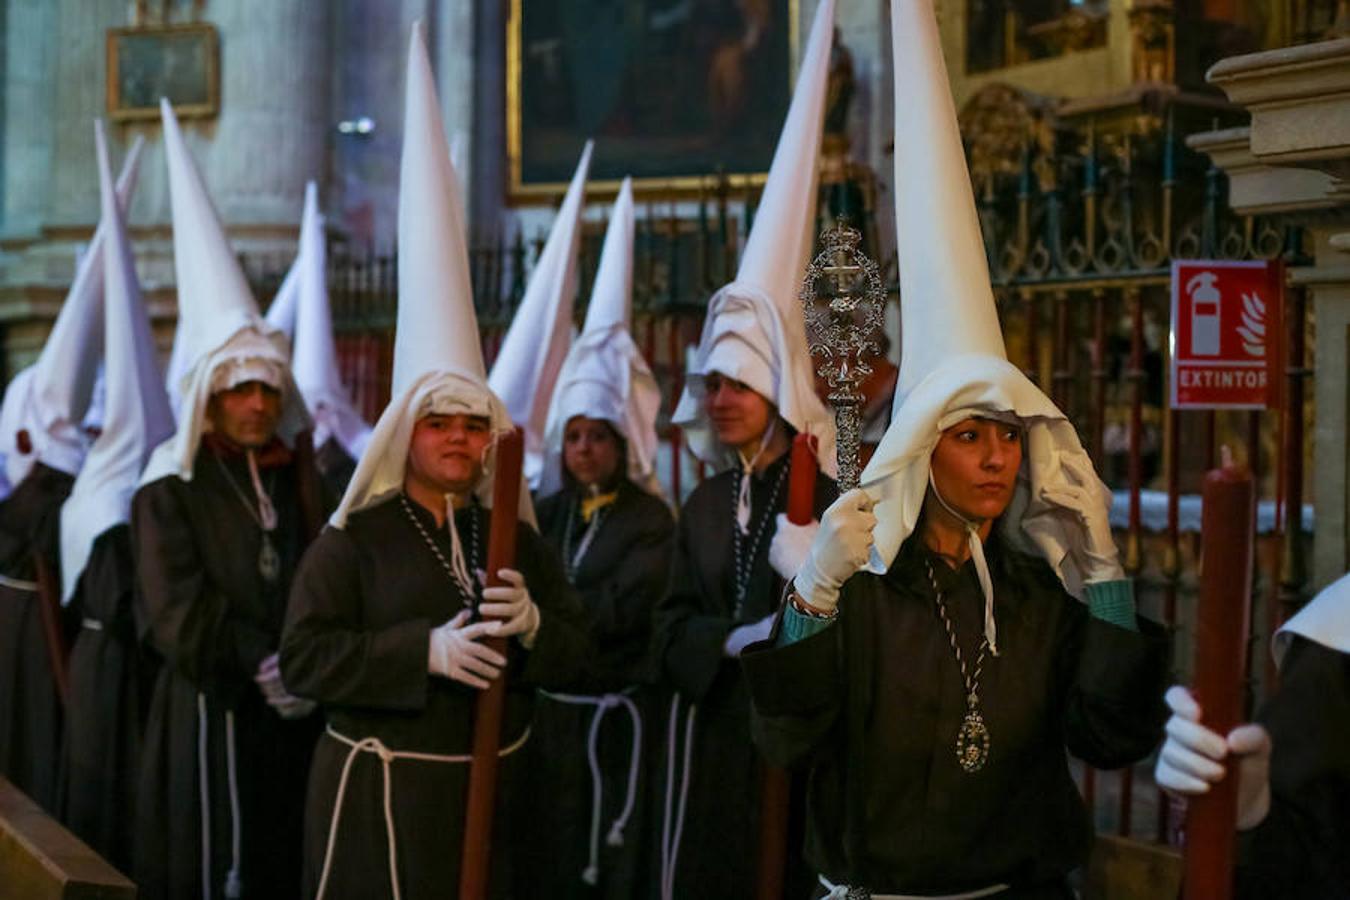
(845, 305)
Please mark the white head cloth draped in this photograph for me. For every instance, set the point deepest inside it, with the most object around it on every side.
(136, 416)
(755, 331)
(526, 369)
(438, 360)
(604, 375)
(952, 361)
(50, 399)
(221, 334)
(1325, 620)
(314, 353)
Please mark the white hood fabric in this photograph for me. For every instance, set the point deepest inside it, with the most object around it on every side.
(438, 360)
(525, 372)
(953, 364)
(1325, 620)
(50, 403)
(314, 353)
(604, 375)
(136, 417)
(755, 331)
(221, 336)
(281, 313)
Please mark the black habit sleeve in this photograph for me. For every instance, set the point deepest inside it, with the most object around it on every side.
(185, 617)
(562, 647)
(328, 651)
(1302, 848)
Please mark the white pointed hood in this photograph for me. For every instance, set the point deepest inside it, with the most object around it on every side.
(604, 375)
(953, 364)
(136, 416)
(526, 369)
(50, 403)
(438, 359)
(281, 313)
(1325, 620)
(755, 331)
(314, 353)
(222, 339)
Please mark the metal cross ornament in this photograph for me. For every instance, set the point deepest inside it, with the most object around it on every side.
(845, 306)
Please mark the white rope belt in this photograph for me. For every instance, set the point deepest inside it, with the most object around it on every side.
(844, 892)
(387, 757)
(234, 887)
(672, 823)
(18, 584)
(603, 703)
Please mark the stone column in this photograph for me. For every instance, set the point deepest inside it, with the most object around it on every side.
(29, 89)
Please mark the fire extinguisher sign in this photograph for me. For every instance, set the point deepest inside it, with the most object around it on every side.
(1227, 334)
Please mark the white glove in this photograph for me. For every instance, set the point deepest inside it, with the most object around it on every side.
(512, 604)
(287, 705)
(743, 636)
(840, 548)
(456, 654)
(1189, 761)
(791, 545)
(1083, 493)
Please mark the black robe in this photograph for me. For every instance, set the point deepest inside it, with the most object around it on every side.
(1301, 850)
(718, 846)
(357, 640)
(621, 577)
(30, 705)
(205, 609)
(110, 681)
(335, 465)
(870, 708)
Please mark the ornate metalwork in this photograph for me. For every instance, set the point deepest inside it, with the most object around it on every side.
(845, 301)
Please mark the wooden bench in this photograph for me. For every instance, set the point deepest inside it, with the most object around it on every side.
(41, 860)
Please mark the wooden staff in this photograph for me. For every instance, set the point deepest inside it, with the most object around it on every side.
(49, 608)
(491, 703)
(1227, 520)
(777, 785)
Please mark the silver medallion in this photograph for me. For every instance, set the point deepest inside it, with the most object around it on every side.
(269, 560)
(972, 742)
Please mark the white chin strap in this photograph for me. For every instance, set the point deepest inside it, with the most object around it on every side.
(458, 565)
(981, 565)
(747, 469)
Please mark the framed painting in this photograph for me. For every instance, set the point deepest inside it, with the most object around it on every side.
(180, 62)
(671, 91)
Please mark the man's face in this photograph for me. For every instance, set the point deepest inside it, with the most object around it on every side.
(591, 451)
(246, 414)
(739, 415)
(446, 452)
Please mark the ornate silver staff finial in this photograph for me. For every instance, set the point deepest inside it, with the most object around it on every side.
(842, 324)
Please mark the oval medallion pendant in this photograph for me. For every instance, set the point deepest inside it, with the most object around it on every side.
(269, 561)
(972, 742)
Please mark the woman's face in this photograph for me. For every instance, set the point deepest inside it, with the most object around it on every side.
(591, 451)
(446, 452)
(739, 415)
(975, 465)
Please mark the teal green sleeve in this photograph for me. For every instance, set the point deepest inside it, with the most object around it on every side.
(1113, 602)
(798, 627)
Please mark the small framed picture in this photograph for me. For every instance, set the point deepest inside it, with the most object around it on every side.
(180, 62)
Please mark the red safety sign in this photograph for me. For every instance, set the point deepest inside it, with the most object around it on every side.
(1227, 334)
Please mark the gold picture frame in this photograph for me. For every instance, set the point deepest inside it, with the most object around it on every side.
(180, 62)
(522, 188)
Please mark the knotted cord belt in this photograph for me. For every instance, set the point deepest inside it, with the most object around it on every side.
(376, 746)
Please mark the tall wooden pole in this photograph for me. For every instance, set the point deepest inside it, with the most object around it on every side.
(491, 703)
(48, 599)
(777, 783)
(1227, 522)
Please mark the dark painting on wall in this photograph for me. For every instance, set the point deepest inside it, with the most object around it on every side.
(180, 62)
(669, 89)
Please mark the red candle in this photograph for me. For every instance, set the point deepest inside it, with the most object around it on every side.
(1221, 627)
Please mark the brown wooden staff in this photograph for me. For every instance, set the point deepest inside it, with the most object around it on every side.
(491, 703)
(1227, 521)
(776, 790)
(48, 599)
